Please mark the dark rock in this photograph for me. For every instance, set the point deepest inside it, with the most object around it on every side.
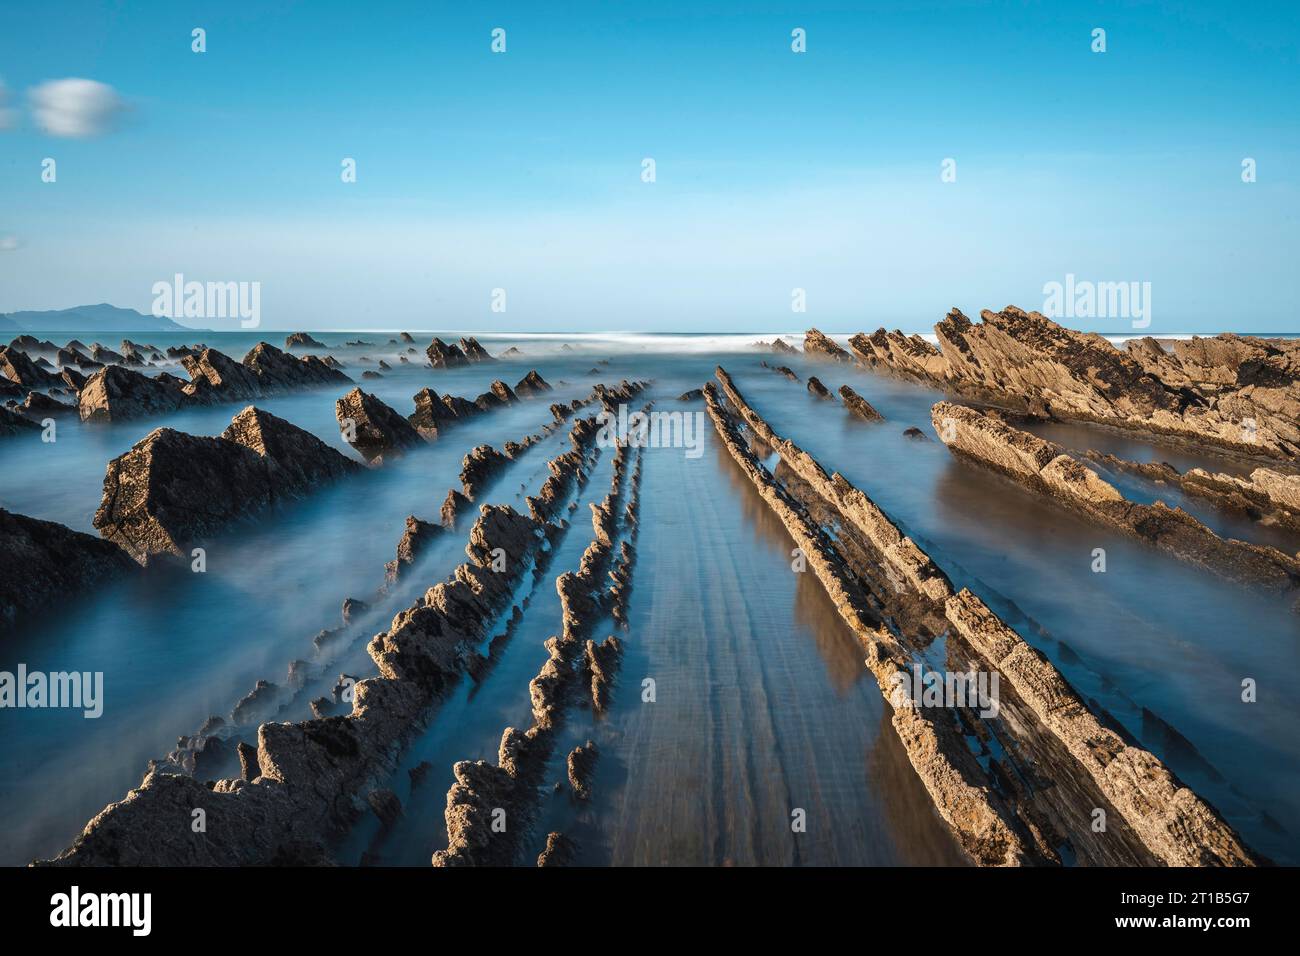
(582, 767)
(372, 427)
(419, 772)
(474, 352)
(248, 768)
(690, 396)
(454, 506)
(115, 394)
(11, 423)
(482, 465)
(353, 608)
(258, 704)
(386, 806)
(417, 537)
(915, 434)
(43, 563)
(817, 388)
(859, 406)
(172, 488)
(38, 406)
(277, 371)
(74, 379)
(442, 355)
(560, 851)
(532, 385)
(302, 340)
(21, 370)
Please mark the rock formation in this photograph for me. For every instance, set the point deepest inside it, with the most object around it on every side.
(172, 488)
(371, 427)
(303, 340)
(859, 406)
(1043, 467)
(818, 345)
(43, 563)
(442, 355)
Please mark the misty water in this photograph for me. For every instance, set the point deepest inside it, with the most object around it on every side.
(763, 703)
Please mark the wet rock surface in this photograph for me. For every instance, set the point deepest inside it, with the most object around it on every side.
(1043, 467)
(1065, 740)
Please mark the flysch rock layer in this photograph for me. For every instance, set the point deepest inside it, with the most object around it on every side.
(983, 825)
(1266, 496)
(42, 563)
(313, 777)
(1169, 819)
(1043, 467)
(116, 393)
(1235, 394)
(511, 784)
(172, 488)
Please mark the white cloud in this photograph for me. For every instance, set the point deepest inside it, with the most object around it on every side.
(9, 243)
(75, 107)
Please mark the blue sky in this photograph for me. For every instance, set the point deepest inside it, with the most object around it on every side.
(775, 170)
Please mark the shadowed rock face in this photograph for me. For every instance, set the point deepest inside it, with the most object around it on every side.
(116, 394)
(73, 379)
(38, 405)
(817, 389)
(559, 851)
(216, 377)
(277, 371)
(817, 344)
(415, 540)
(302, 340)
(21, 370)
(859, 406)
(172, 488)
(480, 467)
(42, 562)
(371, 427)
(11, 423)
(532, 385)
(442, 355)
(474, 352)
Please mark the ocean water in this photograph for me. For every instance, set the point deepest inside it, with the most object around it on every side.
(763, 702)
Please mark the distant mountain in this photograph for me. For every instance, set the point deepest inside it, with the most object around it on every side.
(88, 318)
